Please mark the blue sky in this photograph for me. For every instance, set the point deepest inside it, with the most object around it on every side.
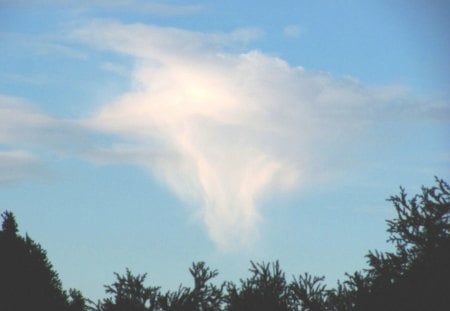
(149, 135)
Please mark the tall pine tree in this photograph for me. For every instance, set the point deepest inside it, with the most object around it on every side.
(27, 278)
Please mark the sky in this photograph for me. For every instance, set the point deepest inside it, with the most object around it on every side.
(148, 135)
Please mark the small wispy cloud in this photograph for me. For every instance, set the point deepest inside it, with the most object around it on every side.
(162, 43)
(42, 45)
(153, 7)
(292, 31)
(24, 127)
(18, 165)
(243, 35)
(136, 6)
(20, 124)
(115, 68)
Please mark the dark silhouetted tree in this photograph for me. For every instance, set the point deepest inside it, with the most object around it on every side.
(266, 289)
(205, 296)
(308, 293)
(129, 294)
(77, 302)
(9, 225)
(417, 275)
(27, 278)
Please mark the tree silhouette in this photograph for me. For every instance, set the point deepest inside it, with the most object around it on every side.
(415, 276)
(129, 293)
(266, 289)
(205, 296)
(9, 225)
(309, 293)
(27, 278)
(76, 301)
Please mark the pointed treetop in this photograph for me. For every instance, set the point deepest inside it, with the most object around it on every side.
(9, 225)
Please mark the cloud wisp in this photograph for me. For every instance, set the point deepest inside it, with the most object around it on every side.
(225, 129)
(292, 31)
(24, 126)
(17, 165)
(137, 6)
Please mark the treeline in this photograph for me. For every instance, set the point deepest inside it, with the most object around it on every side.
(416, 276)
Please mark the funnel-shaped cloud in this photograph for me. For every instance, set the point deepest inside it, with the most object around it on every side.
(224, 129)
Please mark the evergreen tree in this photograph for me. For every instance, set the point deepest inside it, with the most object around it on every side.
(27, 278)
(130, 294)
(417, 275)
(266, 289)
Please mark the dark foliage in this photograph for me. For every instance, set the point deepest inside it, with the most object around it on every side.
(27, 278)
(205, 296)
(129, 293)
(76, 301)
(266, 289)
(309, 293)
(416, 276)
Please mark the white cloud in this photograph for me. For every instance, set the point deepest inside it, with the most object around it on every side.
(18, 165)
(161, 44)
(19, 123)
(24, 127)
(223, 130)
(30, 138)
